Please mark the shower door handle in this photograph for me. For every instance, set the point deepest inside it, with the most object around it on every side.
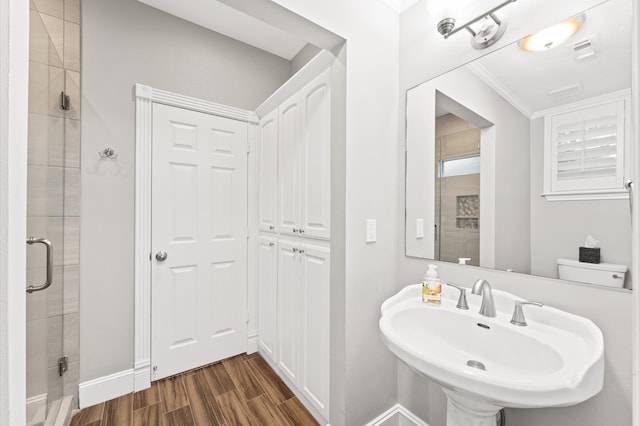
(49, 279)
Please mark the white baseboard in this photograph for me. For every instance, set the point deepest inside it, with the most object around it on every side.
(252, 343)
(105, 388)
(142, 375)
(397, 415)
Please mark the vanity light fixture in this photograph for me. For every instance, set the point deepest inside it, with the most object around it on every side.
(552, 36)
(492, 24)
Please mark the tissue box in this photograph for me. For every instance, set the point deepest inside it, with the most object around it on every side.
(589, 255)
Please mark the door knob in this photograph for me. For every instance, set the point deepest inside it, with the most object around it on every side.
(161, 256)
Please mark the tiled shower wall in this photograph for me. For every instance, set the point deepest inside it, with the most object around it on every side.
(53, 209)
(459, 232)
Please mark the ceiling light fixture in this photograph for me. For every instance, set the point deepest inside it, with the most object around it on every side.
(492, 24)
(552, 36)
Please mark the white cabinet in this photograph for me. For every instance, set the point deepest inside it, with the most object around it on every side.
(304, 142)
(267, 295)
(294, 180)
(303, 319)
(268, 172)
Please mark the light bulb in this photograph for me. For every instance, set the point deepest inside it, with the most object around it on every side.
(552, 36)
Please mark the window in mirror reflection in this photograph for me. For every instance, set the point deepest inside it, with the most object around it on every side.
(457, 215)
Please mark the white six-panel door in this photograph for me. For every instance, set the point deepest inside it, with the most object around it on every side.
(199, 205)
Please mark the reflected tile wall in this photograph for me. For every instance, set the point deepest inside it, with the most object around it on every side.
(53, 195)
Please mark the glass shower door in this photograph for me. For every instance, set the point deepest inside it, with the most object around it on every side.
(52, 209)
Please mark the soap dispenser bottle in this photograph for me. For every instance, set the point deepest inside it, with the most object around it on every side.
(431, 286)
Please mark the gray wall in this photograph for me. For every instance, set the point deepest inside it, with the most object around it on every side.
(558, 228)
(123, 43)
(423, 56)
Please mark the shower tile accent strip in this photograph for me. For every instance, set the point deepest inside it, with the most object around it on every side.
(242, 390)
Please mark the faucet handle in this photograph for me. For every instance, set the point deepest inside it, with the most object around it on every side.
(518, 313)
(462, 299)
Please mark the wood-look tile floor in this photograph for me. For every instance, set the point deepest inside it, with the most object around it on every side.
(242, 390)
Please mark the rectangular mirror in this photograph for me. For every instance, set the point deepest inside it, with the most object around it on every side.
(514, 159)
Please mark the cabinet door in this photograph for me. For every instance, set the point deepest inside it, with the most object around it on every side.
(314, 357)
(316, 158)
(268, 173)
(288, 351)
(267, 296)
(289, 165)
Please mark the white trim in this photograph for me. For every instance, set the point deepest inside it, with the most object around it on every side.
(400, 5)
(142, 375)
(181, 101)
(105, 388)
(490, 80)
(14, 72)
(252, 245)
(635, 217)
(586, 103)
(396, 410)
(252, 342)
(614, 194)
(307, 73)
(146, 96)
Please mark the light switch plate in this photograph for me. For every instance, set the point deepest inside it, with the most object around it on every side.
(419, 228)
(371, 230)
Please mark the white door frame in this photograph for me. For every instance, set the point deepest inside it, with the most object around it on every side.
(14, 83)
(145, 97)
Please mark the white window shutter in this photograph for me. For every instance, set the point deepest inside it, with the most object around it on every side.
(585, 151)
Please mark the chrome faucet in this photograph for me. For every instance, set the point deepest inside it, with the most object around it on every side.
(488, 307)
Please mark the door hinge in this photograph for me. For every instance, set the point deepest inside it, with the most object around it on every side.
(63, 365)
(64, 101)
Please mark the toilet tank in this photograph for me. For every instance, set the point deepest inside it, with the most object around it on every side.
(608, 274)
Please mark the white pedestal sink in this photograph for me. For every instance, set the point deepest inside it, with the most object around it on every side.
(484, 364)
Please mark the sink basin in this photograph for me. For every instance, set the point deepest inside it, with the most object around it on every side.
(557, 360)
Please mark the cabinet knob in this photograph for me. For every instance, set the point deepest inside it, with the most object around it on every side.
(295, 230)
(301, 231)
(295, 249)
(271, 227)
(272, 244)
(300, 251)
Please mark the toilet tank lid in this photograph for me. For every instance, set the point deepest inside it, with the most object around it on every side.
(599, 266)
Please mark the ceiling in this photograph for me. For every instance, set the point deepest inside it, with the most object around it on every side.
(223, 19)
(527, 79)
